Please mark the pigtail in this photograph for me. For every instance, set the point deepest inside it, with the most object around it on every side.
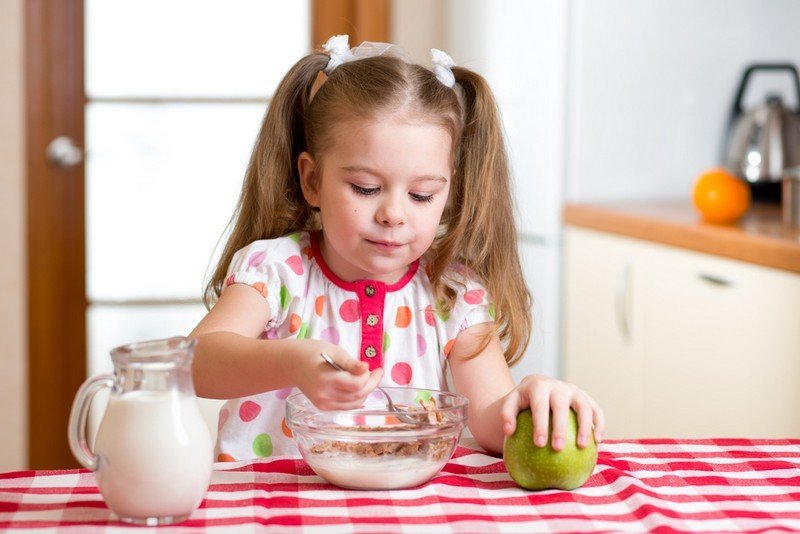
(480, 222)
(271, 203)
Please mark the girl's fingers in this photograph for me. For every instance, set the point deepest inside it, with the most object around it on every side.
(352, 378)
(348, 384)
(332, 404)
(349, 387)
(508, 412)
(560, 413)
(338, 400)
(357, 367)
(371, 383)
(374, 379)
(585, 412)
(540, 410)
(599, 423)
(349, 364)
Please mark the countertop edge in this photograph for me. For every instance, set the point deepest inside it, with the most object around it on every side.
(710, 239)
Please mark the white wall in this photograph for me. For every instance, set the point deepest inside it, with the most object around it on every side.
(13, 345)
(417, 26)
(651, 84)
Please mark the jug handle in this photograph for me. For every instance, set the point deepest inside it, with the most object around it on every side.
(78, 416)
(737, 103)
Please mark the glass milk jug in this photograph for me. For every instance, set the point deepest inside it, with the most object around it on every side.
(153, 452)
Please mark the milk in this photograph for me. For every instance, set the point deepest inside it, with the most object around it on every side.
(154, 453)
(375, 473)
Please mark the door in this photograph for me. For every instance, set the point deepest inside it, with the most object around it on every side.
(155, 106)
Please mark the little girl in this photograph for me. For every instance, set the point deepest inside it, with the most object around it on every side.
(375, 225)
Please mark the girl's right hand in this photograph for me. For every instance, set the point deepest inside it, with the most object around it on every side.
(328, 388)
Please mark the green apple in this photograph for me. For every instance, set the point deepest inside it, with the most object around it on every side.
(538, 468)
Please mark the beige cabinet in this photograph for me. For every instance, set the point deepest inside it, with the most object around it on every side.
(674, 343)
(601, 352)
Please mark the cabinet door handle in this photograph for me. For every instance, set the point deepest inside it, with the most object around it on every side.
(621, 299)
(716, 280)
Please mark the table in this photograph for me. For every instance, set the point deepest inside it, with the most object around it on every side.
(718, 485)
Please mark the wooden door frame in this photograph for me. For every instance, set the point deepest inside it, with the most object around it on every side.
(56, 249)
(56, 242)
(362, 20)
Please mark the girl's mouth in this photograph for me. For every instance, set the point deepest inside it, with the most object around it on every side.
(389, 245)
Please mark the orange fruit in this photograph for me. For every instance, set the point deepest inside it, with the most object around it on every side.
(720, 196)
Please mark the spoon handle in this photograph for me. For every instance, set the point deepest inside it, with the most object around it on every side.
(331, 362)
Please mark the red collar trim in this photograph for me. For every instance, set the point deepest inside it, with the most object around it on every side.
(351, 286)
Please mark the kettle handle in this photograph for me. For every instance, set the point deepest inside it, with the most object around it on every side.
(737, 103)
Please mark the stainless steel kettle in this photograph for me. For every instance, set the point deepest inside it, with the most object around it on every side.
(763, 144)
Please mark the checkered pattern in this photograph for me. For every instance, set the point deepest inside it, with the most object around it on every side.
(720, 485)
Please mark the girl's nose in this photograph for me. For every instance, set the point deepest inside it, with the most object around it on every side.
(390, 213)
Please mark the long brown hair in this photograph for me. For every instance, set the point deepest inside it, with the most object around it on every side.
(477, 229)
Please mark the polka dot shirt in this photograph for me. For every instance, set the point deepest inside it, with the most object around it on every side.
(394, 326)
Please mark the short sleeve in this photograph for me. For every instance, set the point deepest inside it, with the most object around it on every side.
(472, 305)
(277, 268)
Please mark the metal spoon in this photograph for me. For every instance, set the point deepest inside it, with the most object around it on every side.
(402, 416)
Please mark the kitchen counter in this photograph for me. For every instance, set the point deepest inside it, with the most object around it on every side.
(760, 237)
(719, 485)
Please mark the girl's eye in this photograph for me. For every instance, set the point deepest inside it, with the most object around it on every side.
(421, 198)
(366, 191)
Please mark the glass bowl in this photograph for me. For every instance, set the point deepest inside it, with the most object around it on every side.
(370, 448)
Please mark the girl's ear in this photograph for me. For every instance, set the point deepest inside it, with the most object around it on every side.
(309, 179)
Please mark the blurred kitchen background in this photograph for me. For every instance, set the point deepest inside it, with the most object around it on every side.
(603, 100)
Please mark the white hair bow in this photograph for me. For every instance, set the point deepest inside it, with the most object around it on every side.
(443, 67)
(340, 52)
(338, 47)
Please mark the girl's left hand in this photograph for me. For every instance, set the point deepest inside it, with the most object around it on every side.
(543, 394)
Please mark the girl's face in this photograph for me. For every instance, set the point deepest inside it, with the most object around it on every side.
(381, 194)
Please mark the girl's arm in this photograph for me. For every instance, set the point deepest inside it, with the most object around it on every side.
(494, 400)
(230, 362)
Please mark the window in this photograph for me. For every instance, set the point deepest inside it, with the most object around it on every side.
(175, 94)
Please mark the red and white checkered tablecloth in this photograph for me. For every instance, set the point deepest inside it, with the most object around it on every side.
(719, 485)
